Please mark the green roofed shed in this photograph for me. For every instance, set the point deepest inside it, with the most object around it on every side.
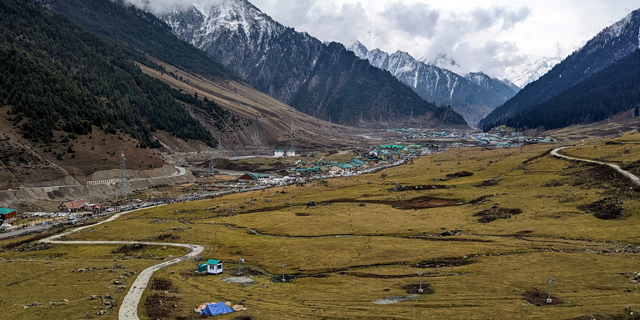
(211, 266)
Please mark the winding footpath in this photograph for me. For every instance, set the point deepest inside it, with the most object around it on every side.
(627, 174)
(129, 306)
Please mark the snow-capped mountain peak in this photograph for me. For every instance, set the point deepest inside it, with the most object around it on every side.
(522, 75)
(473, 97)
(359, 49)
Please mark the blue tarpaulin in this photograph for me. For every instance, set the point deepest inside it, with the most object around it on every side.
(215, 309)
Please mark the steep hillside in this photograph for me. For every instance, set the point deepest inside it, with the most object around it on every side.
(363, 92)
(255, 120)
(473, 96)
(282, 62)
(610, 45)
(59, 77)
(266, 122)
(142, 30)
(606, 93)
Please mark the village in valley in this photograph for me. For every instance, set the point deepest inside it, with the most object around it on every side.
(174, 160)
(302, 167)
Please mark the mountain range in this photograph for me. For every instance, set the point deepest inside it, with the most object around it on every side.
(473, 96)
(522, 75)
(606, 48)
(321, 79)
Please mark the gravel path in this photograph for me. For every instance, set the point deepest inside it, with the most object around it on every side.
(627, 174)
(129, 306)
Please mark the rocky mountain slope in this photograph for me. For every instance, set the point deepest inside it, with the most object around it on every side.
(473, 96)
(237, 115)
(285, 64)
(607, 47)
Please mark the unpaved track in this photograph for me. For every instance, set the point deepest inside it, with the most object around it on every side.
(129, 306)
(627, 174)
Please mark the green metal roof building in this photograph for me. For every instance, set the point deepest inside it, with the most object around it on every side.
(7, 215)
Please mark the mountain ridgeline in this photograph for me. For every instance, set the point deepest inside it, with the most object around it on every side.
(123, 22)
(320, 79)
(473, 96)
(606, 48)
(59, 77)
(605, 94)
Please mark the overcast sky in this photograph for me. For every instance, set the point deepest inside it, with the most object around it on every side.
(480, 35)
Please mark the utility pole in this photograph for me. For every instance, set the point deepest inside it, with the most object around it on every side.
(411, 308)
(122, 189)
(283, 264)
(240, 262)
(192, 306)
(420, 289)
(549, 282)
(293, 137)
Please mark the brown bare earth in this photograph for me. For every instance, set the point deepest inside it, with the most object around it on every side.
(539, 298)
(24, 163)
(271, 120)
(410, 204)
(415, 288)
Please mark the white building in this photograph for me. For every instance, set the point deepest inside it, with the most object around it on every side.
(291, 153)
(278, 154)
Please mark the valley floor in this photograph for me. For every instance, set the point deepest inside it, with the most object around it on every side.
(487, 227)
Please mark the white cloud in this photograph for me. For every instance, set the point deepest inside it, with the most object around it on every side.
(487, 35)
(479, 35)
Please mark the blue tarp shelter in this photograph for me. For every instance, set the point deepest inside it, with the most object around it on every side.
(215, 309)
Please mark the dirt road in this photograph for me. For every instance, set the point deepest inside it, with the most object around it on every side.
(627, 174)
(129, 306)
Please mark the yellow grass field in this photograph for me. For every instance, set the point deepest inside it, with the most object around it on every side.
(362, 241)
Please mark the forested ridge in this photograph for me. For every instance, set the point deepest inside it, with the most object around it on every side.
(364, 91)
(611, 91)
(140, 29)
(56, 75)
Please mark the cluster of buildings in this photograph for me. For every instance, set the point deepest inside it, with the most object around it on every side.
(504, 139)
(292, 153)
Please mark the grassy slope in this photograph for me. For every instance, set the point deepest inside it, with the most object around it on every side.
(552, 237)
(54, 273)
(274, 116)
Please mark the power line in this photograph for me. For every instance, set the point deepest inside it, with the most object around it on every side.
(122, 190)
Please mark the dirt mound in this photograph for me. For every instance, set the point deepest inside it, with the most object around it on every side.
(493, 214)
(246, 272)
(420, 187)
(481, 199)
(129, 248)
(459, 174)
(606, 209)
(279, 279)
(410, 204)
(539, 298)
(486, 183)
(445, 262)
(415, 288)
